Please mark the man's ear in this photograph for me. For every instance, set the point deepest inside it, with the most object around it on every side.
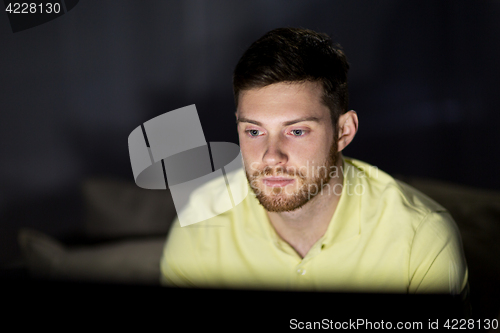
(347, 128)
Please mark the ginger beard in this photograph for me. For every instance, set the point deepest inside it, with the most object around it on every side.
(282, 199)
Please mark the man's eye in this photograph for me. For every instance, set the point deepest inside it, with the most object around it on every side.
(298, 132)
(254, 132)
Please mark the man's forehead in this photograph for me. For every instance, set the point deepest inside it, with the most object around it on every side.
(283, 102)
(285, 88)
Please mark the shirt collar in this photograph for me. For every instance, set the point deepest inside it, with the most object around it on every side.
(345, 222)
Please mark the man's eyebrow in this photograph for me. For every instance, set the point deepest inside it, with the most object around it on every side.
(286, 123)
(291, 122)
(245, 120)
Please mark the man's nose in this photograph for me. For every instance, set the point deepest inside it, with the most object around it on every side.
(275, 154)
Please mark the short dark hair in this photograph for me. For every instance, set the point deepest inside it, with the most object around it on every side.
(295, 55)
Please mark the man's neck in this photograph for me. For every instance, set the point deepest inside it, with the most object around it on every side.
(303, 227)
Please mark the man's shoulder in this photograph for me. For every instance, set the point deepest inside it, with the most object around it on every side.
(215, 199)
(384, 193)
(210, 191)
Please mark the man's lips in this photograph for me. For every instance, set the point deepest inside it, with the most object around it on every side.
(277, 181)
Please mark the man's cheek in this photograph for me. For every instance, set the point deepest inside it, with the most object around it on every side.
(253, 168)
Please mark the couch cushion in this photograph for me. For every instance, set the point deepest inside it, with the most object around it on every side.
(133, 261)
(116, 209)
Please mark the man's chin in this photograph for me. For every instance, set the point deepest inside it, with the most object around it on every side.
(280, 203)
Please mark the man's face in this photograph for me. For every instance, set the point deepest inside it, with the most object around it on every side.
(287, 143)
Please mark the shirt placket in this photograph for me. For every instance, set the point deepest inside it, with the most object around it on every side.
(303, 277)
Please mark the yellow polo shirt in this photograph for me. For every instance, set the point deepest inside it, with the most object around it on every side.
(384, 236)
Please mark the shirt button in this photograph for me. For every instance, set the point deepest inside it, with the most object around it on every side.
(301, 271)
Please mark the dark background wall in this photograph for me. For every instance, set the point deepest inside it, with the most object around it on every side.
(424, 80)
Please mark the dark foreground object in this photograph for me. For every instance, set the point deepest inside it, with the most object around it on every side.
(52, 303)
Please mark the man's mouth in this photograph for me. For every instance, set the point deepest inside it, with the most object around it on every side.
(277, 181)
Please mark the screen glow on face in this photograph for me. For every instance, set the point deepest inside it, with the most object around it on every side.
(287, 143)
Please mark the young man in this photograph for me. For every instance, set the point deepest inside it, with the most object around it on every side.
(314, 220)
